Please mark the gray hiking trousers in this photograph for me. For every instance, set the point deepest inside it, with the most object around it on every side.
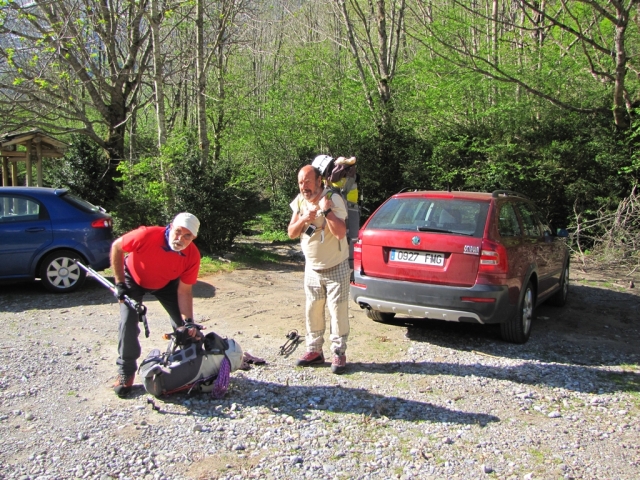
(128, 345)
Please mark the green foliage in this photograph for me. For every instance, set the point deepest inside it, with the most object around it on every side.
(452, 126)
(81, 170)
(145, 195)
(562, 161)
(280, 211)
(383, 164)
(210, 192)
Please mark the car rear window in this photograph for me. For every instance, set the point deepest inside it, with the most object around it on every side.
(463, 217)
(80, 203)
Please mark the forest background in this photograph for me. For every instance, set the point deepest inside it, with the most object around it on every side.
(212, 106)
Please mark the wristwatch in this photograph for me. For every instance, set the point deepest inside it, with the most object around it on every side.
(326, 212)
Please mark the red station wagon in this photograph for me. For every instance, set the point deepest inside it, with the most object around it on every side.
(460, 257)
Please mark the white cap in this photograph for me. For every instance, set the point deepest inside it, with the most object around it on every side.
(187, 220)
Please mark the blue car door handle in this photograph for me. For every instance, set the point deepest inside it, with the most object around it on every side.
(34, 229)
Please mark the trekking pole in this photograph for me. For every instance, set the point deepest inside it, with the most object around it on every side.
(137, 307)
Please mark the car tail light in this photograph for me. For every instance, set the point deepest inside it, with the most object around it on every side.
(357, 256)
(102, 223)
(493, 258)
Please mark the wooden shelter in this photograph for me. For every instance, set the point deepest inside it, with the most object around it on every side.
(30, 147)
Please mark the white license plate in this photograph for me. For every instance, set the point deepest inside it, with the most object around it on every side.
(421, 258)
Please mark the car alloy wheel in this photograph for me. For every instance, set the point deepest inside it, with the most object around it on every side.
(518, 328)
(60, 273)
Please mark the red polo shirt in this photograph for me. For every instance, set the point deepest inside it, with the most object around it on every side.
(153, 264)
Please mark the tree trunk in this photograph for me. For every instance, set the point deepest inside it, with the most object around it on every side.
(201, 81)
(376, 60)
(219, 113)
(620, 103)
(158, 82)
(114, 146)
(494, 49)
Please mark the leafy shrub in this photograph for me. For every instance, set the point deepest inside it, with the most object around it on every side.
(144, 197)
(221, 204)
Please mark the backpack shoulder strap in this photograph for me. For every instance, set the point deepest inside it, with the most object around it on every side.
(299, 200)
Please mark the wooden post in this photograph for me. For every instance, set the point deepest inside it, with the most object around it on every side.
(29, 169)
(14, 173)
(5, 172)
(39, 164)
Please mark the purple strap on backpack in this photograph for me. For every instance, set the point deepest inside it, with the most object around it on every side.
(221, 383)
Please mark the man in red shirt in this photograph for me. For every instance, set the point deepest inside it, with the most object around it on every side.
(162, 261)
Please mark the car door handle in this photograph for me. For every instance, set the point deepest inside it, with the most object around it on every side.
(34, 229)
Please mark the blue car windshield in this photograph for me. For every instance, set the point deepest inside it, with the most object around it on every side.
(462, 217)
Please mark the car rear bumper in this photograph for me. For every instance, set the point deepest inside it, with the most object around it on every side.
(437, 302)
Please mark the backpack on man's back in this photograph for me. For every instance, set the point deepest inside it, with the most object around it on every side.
(341, 177)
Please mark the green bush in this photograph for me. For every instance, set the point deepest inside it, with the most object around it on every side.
(210, 192)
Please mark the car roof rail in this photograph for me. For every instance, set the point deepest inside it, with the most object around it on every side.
(406, 189)
(508, 193)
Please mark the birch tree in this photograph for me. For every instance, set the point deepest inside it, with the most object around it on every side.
(155, 20)
(374, 29)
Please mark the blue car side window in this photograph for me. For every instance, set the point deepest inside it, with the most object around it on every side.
(20, 209)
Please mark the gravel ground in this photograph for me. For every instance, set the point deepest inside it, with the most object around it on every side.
(448, 401)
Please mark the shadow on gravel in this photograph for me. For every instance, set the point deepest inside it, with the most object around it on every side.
(595, 328)
(300, 401)
(570, 377)
(25, 296)
(568, 346)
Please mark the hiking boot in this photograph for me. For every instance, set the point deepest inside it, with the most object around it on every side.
(339, 364)
(123, 384)
(310, 358)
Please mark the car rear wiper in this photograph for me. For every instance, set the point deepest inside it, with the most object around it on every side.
(433, 229)
(442, 230)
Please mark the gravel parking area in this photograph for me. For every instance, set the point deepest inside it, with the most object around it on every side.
(420, 400)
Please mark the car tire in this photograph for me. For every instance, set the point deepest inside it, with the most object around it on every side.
(559, 299)
(380, 317)
(518, 328)
(59, 272)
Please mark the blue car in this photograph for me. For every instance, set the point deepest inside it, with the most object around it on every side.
(44, 230)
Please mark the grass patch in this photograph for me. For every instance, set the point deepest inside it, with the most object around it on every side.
(244, 256)
(249, 255)
(537, 455)
(630, 367)
(276, 236)
(626, 381)
(210, 266)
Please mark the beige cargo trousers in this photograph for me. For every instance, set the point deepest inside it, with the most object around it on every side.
(328, 287)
